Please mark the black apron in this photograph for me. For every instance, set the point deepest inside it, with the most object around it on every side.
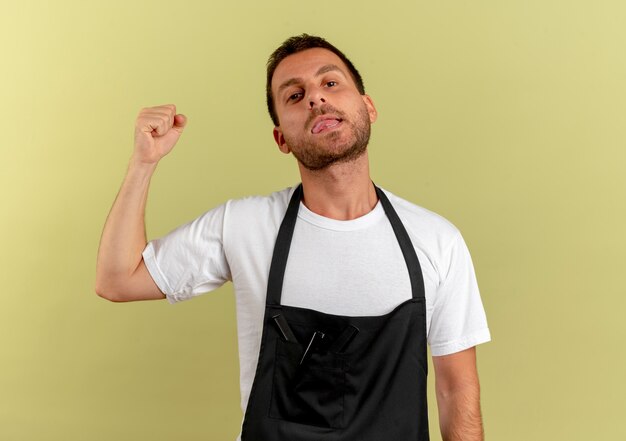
(339, 378)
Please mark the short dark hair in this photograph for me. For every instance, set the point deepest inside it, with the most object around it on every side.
(297, 44)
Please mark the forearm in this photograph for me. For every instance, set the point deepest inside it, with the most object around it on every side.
(124, 234)
(459, 414)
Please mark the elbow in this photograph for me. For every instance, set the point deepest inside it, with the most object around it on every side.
(106, 292)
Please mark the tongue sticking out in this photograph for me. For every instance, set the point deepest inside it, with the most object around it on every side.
(325, 124)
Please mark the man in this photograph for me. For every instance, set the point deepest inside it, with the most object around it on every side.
(339, 284)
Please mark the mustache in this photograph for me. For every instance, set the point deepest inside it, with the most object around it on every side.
(323, 110)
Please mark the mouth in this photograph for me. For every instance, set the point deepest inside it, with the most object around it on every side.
(326, 123)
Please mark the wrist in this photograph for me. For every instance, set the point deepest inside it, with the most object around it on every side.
(140, 166)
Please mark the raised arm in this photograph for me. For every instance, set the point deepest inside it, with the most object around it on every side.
(121, 275)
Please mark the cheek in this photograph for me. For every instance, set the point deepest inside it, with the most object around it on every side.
(293, 121)
(290, 127)
(357, 105)
(291, 132)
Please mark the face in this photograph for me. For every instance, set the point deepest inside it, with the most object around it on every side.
(323, 118)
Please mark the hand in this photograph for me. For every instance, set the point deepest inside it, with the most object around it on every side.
(157, 130)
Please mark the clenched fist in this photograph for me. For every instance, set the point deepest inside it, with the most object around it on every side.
(157, 130)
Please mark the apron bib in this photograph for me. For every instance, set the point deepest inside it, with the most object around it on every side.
(339, 378)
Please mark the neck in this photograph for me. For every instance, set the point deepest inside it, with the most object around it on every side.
(343, 191)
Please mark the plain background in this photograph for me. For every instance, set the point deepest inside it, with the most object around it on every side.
(506, 117)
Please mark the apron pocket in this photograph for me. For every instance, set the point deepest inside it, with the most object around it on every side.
(311, 393)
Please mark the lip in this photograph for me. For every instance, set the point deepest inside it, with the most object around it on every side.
(324, 118)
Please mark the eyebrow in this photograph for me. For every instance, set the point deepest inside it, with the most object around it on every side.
(321, 71)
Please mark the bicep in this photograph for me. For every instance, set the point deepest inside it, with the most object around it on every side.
(139, 286)
(455, 371)
(458, 396)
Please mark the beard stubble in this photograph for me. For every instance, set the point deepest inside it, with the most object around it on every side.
(314, 156)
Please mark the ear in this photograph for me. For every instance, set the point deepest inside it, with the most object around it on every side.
(371, 109)
(280, 140)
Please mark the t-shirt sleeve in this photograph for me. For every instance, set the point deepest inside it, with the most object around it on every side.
(458, 318)
(190, 259)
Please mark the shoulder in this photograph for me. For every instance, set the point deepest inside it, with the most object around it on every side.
(422, 222)
(259, 205)
(256, 214)
(438, 242)
(247, 213)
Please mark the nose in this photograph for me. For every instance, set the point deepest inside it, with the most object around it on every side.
(316, 98)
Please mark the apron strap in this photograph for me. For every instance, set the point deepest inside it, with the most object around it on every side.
(285, 234)
(410, 257)
(281, 249)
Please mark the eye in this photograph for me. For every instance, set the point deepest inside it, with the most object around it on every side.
(294, 96)
(331, 83)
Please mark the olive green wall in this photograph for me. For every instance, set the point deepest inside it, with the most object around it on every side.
(506, 117)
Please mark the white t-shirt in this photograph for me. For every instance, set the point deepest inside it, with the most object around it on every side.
(350, 268)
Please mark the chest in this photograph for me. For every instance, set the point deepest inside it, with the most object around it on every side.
(353, 273)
